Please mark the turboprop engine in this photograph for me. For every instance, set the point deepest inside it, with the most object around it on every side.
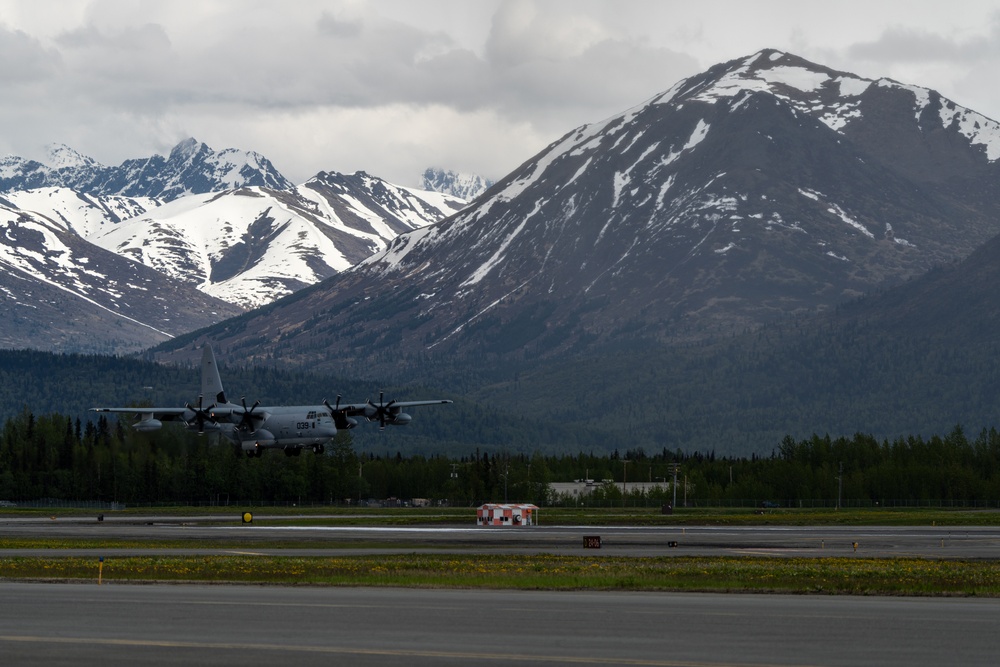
(148, 424)
(386, 413)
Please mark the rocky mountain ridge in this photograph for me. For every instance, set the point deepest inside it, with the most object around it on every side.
(190, 168)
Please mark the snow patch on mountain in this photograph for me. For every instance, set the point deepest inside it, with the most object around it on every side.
(84, 214)
(978, 129)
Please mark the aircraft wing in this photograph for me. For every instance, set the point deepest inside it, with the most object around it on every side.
(382, 412)
(162, 414)
(359, 408)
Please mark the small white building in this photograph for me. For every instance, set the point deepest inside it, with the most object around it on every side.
(517, 514)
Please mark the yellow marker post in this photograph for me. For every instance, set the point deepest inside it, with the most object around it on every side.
(100, 570)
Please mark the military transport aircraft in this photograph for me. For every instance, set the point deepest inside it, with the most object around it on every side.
(289, 428)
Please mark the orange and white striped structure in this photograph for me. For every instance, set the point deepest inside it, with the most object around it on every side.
(518, 514)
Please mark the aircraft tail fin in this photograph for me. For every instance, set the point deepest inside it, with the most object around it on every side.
(211, 383)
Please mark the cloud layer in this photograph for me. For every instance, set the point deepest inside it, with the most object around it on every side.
(394, 86)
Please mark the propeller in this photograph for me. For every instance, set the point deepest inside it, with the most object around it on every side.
(200, 415)
(333, 411)
(246, 419)
(340, 419)
(382, 410)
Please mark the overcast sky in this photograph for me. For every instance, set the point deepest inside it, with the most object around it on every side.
(394, 86)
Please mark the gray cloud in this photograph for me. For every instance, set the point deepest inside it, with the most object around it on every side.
(900, 44)
(25, 59)
(392, 86)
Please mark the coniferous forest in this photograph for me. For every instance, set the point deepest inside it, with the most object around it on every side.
(58, 457)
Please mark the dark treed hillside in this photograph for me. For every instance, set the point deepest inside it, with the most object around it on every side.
(47, 383)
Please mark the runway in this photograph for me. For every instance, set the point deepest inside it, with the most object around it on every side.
(73, 624)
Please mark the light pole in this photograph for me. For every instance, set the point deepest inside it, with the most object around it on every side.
(674, 467)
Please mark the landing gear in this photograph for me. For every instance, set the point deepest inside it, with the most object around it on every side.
(319, 449)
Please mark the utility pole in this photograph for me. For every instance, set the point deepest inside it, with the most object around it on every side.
(506, 474)
(624, 479)
(361, 481)
(840, 484)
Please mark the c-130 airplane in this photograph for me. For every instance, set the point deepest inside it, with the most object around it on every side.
(289, 428)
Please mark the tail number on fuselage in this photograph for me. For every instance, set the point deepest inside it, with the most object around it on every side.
(302, 426)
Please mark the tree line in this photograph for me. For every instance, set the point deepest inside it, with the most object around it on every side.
(60, 457)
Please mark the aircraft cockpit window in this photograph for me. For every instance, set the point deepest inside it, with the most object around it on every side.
(311, 415)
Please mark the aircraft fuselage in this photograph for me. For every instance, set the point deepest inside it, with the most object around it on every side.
(280, 427)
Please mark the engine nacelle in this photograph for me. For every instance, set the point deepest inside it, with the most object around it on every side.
(147, 425)
(401, 419)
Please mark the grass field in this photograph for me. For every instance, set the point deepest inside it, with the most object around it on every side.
(855, 576)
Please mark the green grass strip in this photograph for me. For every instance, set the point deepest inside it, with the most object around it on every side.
(855, 576)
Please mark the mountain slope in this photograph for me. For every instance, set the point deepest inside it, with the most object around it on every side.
(84, 214)
(764, 188)
(917, 359)
(62, 293)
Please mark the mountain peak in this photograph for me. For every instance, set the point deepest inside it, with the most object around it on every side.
(187, 149)
(808, 87)
(61, 156)
(464, 186)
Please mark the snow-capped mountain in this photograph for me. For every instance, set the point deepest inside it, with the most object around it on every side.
(463, 186)
(226, 238)
(252, 245)
(763, 188)
(191, 168)
(59, 292)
